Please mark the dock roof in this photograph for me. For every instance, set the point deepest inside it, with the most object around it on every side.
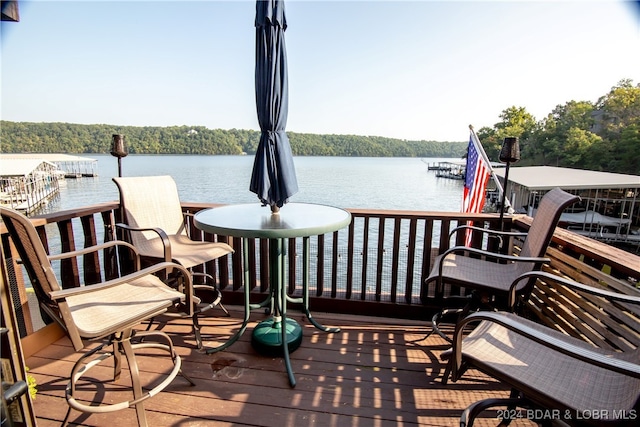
(49, 157)
(549, 177)
(19, 167)
(23, 164)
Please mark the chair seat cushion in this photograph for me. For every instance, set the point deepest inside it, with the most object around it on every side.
(474, 272)
(540, 370)
(96, 314)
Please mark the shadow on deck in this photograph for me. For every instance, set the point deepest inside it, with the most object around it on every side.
(376, 372)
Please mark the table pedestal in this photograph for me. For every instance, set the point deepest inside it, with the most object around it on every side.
(267, 337)
(278, 336)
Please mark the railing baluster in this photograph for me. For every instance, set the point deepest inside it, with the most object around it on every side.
(445, 229)
(427, 259)
(395, 254)
(90, 262)
(237, 268)
(334, 268)
(365, 258)
(320, 269)
(380, 260)
(250, 259)
(69, 273)
(264, 265)
(109, 254)
(411, 253)
(292, 261)
(42, 233)
(350, 259)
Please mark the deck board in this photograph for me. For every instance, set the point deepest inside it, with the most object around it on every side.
(376, 372)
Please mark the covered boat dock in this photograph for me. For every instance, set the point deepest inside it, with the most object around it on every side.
(72, 166)
(610, 206)
(27, 184)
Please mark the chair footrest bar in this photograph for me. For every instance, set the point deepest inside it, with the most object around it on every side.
(84, 368)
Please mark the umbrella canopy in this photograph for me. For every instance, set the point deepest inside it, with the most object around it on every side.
(274, 177)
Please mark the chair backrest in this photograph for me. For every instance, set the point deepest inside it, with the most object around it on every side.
(36, 262)
(150, 202)
(544, 224)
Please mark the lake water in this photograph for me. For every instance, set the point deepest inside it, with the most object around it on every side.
(346, 182)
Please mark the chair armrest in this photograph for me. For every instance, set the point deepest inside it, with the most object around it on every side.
(615, 296)
(487, 231)
(568, 347)
(495, 255)
(66, 293)
(187, 225)
(96, 248)
(166, 244)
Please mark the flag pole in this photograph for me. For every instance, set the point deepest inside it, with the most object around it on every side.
(480, 149)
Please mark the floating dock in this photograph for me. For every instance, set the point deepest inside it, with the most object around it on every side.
(449, 169)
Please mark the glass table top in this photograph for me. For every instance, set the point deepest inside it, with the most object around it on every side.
(256, 221)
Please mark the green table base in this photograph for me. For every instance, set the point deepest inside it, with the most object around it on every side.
(267, 337)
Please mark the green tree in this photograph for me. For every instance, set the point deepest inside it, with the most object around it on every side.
(563, 137)
(618, 124)
(516, 122)
(577, 145)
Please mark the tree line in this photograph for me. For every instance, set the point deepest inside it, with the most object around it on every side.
(601, 136)
(604, 136)
(27, 137)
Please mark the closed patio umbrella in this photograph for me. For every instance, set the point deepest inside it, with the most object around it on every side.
(274, 177)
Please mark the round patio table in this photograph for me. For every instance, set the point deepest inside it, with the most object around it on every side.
(252, 221)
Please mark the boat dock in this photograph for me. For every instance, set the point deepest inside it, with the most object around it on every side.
(454, 169)
(448, 169)
(29, 181)
(28, 184)
(609, 209)
(72, 166)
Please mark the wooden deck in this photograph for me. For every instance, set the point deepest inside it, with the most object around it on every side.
(376, 372)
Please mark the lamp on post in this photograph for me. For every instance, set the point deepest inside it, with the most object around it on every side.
(510, 153)
(119, 150)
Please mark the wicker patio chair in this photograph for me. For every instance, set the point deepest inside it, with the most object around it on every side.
(554, 378)
(490, 275)
(109, 311)
(157, 227)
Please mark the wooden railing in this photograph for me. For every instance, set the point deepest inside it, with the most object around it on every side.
(376, 266)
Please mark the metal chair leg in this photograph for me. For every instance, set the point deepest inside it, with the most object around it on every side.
(121, 344)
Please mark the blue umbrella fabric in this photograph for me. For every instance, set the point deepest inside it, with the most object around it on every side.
(274, 177)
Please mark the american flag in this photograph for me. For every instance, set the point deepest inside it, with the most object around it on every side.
(475, 182)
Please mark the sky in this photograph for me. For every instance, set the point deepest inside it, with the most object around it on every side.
(416, 70)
